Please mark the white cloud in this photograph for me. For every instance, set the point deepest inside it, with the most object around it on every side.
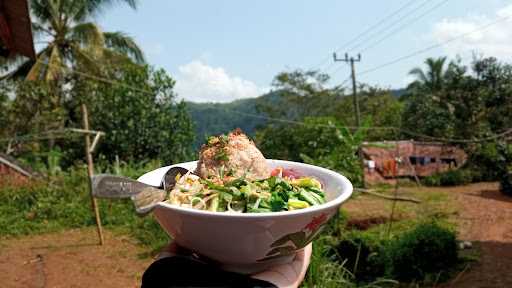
(493, 41)
(199, 82)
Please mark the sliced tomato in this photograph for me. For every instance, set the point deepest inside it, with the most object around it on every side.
(286, 173)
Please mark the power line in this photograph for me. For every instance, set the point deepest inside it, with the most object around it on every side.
(407, 24)
(98, 78)
(345, 81)
(507, 132)
(407, 132)
(391, 25)
(357, 37)
(52, 134)
(421, 51)
(393, 32)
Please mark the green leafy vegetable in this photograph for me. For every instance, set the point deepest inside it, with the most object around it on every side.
(241, 195)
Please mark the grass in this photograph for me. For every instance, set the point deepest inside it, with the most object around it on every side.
(62, 202)
(324, 272)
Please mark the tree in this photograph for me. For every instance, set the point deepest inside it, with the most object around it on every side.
(140, 114)
(378, 106)
(74, 45)
(427, 110)
(473, 102)
(495, 80)
(34, 108)
(432, 79)
(72, 40)
(425, 116)
(302, 94)
(321, 141)
(4, 108)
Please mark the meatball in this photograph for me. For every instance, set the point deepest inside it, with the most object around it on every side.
(232, 156)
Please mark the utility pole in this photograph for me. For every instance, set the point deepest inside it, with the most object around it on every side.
(351, 60)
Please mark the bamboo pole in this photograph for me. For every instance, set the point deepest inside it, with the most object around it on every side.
(90, 172)
(387, 197)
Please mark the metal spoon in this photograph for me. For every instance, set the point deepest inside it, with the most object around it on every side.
(144, 197)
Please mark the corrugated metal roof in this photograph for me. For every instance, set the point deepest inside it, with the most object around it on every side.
(18, 32)
(14, 164)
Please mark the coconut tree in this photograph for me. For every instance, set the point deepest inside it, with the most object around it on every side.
(72, 40)
(432, 79)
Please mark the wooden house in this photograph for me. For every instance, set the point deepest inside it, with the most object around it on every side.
(384, 161)
(12, 172)
(16, 29)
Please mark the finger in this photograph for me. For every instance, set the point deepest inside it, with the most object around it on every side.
(173, 249)
(275, 278)
(301, 262)
(168, 251)
(304, 253)
(288, 275)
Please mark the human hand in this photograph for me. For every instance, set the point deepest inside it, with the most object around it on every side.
(288, 275)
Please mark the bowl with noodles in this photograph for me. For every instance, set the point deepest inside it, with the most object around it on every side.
(246, 224)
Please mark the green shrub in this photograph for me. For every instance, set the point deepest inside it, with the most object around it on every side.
(327, 269)
(322, 271)
(449, 178)
(63, 202)
(506, 184)
(456, 177)
(361, 255)
(426, 250)
(432, 180)
(419, 254)
(482, 160)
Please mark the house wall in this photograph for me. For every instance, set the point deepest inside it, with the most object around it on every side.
(9, 176)
(407, 159)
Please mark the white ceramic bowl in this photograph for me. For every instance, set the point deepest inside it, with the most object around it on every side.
(251, 242)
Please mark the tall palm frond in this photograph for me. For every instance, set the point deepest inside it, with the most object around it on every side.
(37, 70)
(54, 65)
(88, 36)
(433, 77)
(419, 74)
(124, 44)
(81, 10)
(73, 39)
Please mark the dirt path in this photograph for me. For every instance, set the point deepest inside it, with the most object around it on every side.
(485, 218)
(71, 259)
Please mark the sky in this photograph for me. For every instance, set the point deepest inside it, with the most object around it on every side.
(223, 50)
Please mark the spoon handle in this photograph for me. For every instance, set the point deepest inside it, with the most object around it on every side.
(112, 186)
(144, 197)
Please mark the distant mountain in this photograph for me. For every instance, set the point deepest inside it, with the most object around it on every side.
(397, 92)
(218, 118)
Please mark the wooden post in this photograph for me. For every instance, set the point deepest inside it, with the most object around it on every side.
(118, 166)
(395, 193)
(361, 161)
(90, 172)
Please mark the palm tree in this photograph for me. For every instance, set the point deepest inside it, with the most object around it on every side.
(72, 40)
(433, 78)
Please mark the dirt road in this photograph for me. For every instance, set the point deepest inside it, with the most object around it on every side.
(485, 218)
(71, 259)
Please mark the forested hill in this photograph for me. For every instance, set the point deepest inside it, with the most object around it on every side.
(218, 118)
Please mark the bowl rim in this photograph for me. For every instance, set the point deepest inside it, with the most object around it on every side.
(191, 211)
